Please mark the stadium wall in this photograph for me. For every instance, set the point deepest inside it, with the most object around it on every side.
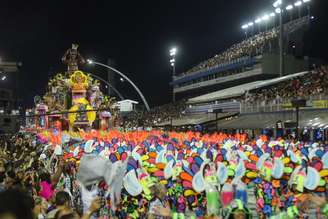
(270, 64)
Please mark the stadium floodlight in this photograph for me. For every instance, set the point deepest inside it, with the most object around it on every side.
(272, 14)
(306, 1)
(298, 3)
(172, 61)
(277, 3)
(89, 61)
(265, 17)
(258, 20)
(172, 64)
(289, 7)
(245, 26)
(3, 78)
(250, 24)
(278, 10)
(173, 51)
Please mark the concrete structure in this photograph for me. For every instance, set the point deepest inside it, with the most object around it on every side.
(254, 66)
(126, 105)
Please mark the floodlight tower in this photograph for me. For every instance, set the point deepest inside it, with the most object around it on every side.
(277, 4)
(298, 5)
(281, 7)
(173, 52)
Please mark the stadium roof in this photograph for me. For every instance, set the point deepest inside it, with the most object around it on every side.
(195, 119)
(215, 69)
(127, 101)
(308, 119)
(241, 89)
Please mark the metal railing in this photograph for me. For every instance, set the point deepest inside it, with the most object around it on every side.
(276, 105)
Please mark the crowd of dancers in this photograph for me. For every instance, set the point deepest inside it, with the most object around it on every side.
(157, 174)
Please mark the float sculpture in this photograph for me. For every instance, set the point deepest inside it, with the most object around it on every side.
(74, 98)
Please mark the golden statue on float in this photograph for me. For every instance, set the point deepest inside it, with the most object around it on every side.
(84, 116)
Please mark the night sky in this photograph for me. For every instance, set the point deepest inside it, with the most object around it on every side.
(136, 34)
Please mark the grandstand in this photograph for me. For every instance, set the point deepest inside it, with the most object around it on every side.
(260, 105)
(255, 58)
(257, 107)
(241, 90)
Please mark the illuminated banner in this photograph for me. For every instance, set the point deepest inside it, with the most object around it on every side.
(321, 104)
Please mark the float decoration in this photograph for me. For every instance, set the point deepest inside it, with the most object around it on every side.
(42, 120)
(79, 84)
(73, 58)
(77, 93)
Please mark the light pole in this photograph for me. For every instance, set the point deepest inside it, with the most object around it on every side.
(258, 22)
(244, 27)
(279, 11)
(123, 76)
(272, 16)
(251, 25)
(298, 4)
(278, 5)
(281, 45)
(173, 52)
(289, 8)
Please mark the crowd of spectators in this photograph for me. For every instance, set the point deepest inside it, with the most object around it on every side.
(155, 116)
(164, 113)
(310, 84)
(252, 46)
(27, 183)
(249, 47)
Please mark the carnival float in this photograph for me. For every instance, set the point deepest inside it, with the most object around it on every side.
(73, 100)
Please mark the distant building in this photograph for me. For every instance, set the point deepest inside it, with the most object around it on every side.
(127, 105)
(9, 112)
(6, 101)
(8, 115)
